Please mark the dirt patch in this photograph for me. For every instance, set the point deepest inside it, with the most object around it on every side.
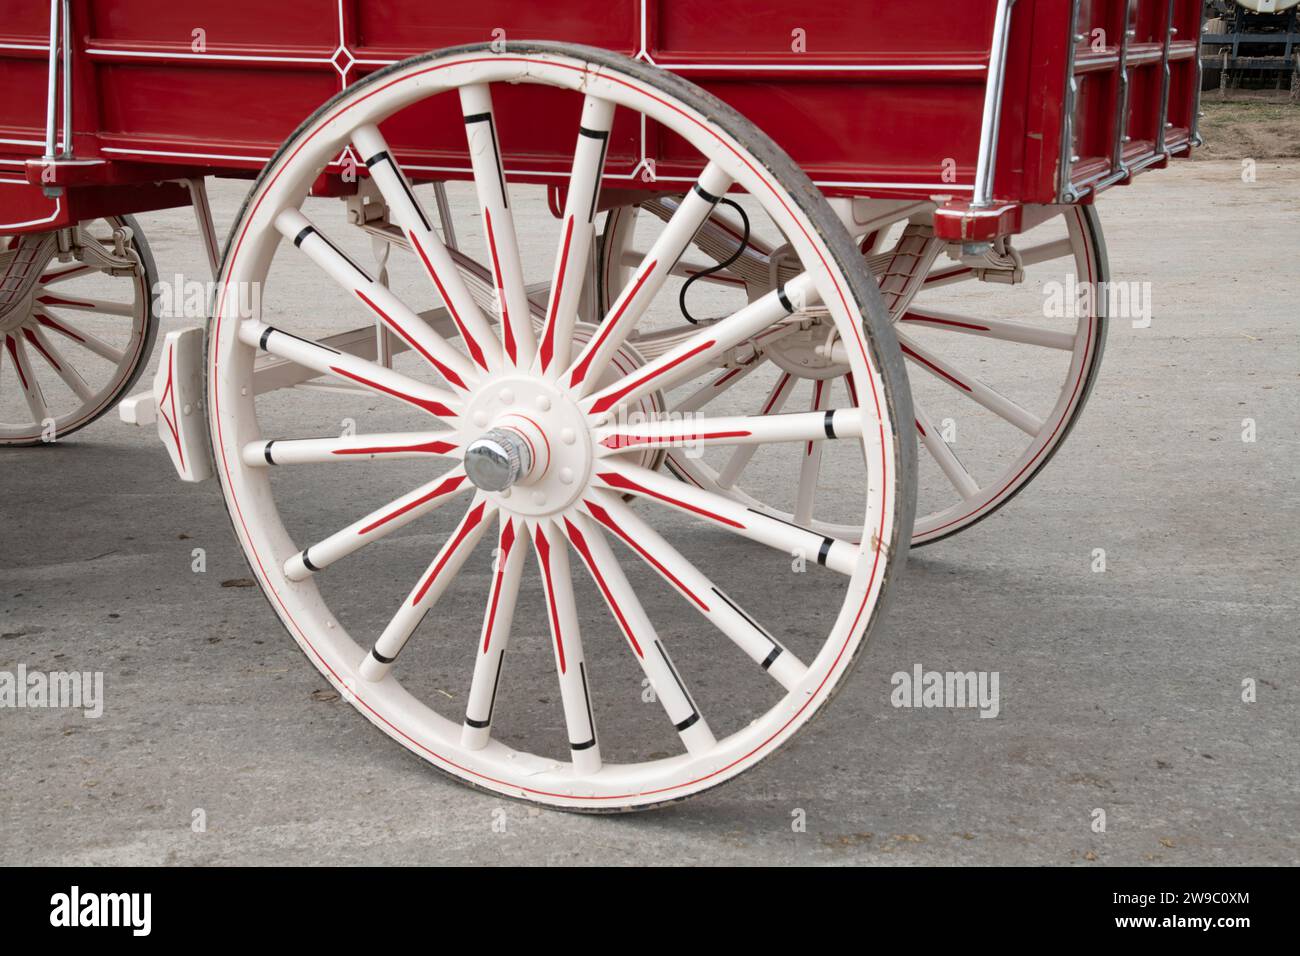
(1245, 126)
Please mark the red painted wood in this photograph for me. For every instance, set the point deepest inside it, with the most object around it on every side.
(871, 99)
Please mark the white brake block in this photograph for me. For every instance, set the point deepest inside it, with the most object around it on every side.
(176, 405)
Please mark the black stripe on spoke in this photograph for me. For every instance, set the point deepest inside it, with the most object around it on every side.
(303, 233)
(776, 647)
(342, 255)
(270, 328)
(374, 652)
(496, 151)
(764, 514)
(708, 197)
(306, 563)
(824, 551)
(695, 711)
(586, 695)
(492, 704)
(784, 299)
(593, 133)
(384, 156)
(477, 724)
(583, 746)
(829, 425)
(266, 452)
(600, 171)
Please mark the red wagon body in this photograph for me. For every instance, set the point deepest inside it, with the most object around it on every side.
(874, 100)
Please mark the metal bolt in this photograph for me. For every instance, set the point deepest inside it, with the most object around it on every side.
(497, 459)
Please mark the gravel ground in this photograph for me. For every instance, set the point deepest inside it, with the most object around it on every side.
(1121, 691)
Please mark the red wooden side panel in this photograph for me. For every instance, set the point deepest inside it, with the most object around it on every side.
(880, 98)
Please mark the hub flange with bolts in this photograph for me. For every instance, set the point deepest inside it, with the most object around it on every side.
(533, 456)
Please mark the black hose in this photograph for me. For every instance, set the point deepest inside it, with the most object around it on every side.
(740, 250)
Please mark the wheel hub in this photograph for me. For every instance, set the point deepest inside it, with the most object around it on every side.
(534, 454)
(18, 314)
(806, 353)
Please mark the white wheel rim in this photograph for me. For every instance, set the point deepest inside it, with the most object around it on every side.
(348, 663)
(66, 354)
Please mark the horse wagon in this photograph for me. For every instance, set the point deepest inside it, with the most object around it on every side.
(726, 304)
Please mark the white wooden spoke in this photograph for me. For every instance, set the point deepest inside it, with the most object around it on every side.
(640, 633)
(697, 588)
(508, 566)
(740, 458)
(808, 427)
(623, 478)
(378, 299)
(578, 225)
(724, 381)
(651, 345)
(498, 223)
(445, 221)
(473, 326)
(349, 368)
(88, 340)
(31, 388)
(705, 347)
(944, 456)
(971, 387)
(431, 586)
(566, 641)
(77, 303)
(991, 328)
(396, 445)
(648, 280)
(810, 467)
(380, 523)
(55, 276)
(71, 377)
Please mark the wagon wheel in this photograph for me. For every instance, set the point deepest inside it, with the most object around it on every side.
(75, 341)
(960, 336)
(525, 440)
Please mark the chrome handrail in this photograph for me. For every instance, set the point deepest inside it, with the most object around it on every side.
(67, 79)
(51, 95)
(60, 56)
(991, 122)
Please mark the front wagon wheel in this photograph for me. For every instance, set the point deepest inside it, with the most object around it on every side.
(76, 328)
(511, 441)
